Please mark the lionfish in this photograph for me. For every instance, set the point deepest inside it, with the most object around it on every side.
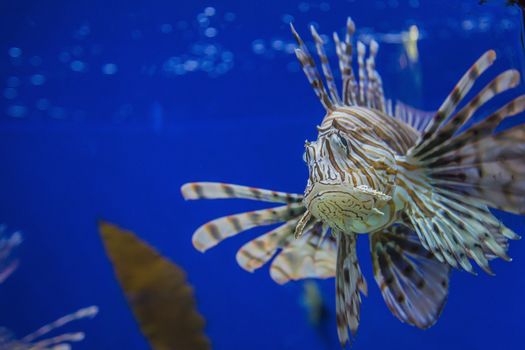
(34, 340)
(419, 183)
(8, 244)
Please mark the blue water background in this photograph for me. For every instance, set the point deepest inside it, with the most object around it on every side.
(106, 123)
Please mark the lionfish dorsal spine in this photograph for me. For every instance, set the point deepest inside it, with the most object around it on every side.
(366, 91)
(453, 99)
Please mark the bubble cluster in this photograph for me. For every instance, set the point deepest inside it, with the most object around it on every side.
(204, 54)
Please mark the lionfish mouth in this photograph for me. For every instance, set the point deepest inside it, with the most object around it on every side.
(341, 205)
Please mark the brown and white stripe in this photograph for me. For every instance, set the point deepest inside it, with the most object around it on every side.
(218, 190)
(454, 98)
(215, 231)
(413, 282)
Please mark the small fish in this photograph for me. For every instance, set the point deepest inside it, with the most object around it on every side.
(408, 39)
(417, 182)
(313, 302)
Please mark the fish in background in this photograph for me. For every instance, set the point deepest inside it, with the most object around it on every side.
(408, 39)
(312, 301)
(35, 340)
(156, 290)
(8, 244)
(418, 183)
(408, 70)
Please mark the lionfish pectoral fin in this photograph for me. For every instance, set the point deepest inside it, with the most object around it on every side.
(349, 283)
(414, 284)
(311, 255)
(453, 176)
(213, 232)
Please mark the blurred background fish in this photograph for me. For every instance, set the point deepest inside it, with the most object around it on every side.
(8, 260)
(35, 340)
(313, 302)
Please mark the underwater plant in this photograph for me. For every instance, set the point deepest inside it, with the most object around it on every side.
(156, 290)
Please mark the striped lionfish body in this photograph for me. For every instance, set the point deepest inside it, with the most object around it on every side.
(418, 183)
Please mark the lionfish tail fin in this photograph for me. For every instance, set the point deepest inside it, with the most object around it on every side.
(367, 91)
(414, 284)
(349, 283)
(454, 175)
(311, 255)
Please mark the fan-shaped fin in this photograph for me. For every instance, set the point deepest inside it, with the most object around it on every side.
(413, 282)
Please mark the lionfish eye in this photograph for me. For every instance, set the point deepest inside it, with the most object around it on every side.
(343, 142)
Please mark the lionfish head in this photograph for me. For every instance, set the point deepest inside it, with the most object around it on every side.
(349, 180)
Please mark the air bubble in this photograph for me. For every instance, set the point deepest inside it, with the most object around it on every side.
(15, 52)
(38, 79)
(278, 44)
(83, 31)
(209, 11)
(227, 56)
(109, 68)
(287, 19)
(467, 24)
(210, 32)
(210, 50)
(290, 48)
(77, 66)
(191, 65)
(258, 47)
(203, 20)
